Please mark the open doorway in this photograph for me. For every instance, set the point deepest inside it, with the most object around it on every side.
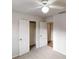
(49, 34)
(32, 34)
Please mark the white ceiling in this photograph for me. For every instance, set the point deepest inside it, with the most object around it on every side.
(29, 7)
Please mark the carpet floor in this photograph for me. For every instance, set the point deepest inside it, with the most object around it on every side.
(42, 53)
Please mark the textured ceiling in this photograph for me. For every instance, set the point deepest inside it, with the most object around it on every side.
(30, 7)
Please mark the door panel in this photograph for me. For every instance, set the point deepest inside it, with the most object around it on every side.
(37, 35)
(23, 37)
(43, 34)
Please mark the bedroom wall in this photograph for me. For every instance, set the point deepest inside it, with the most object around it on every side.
(60, 33)
(15, 35)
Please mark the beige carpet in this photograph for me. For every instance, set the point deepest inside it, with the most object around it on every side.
(42, 53)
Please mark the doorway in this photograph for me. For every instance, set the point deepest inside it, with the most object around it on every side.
(32, 34)
(49, 34)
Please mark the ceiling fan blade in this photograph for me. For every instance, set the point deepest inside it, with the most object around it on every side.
(32, 9)
(62, 12)
(38, 2)
(37, 7)
(50, 2)
(56, 7)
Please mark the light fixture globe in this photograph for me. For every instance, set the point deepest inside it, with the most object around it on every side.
(45, 9)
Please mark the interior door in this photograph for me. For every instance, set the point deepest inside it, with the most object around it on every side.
(23, 37)
(43, 34)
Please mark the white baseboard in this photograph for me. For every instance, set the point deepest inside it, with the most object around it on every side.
(15, 56)
(60, 52)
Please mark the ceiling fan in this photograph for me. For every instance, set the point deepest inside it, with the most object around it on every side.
(45, 5)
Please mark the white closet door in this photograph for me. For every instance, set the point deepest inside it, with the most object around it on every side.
(23, 37)
(43, 34)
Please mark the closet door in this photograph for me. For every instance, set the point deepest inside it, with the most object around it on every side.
(23, 37)
(43, 34)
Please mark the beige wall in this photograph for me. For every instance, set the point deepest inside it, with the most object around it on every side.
(32, 33)
(49, 31)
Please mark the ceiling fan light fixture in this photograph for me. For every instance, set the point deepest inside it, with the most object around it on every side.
(45, 9)
(44, 2)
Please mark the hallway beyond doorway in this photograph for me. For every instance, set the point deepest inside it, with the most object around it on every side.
(49, 33)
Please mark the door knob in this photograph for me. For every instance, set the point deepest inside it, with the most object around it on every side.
(20, 38)
(40, 35)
